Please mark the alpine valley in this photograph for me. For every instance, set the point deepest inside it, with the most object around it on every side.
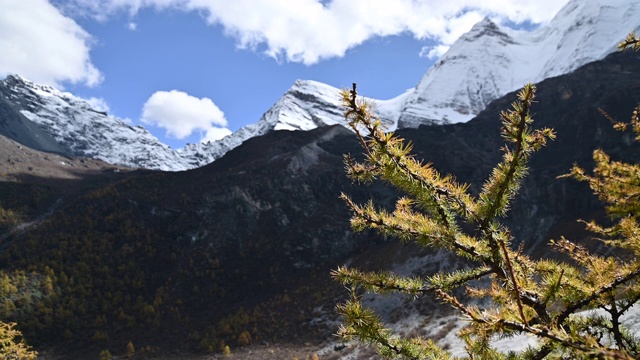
(112, 237)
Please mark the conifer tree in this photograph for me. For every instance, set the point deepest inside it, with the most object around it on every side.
(545, 298)
(130, 350)
(12, 345)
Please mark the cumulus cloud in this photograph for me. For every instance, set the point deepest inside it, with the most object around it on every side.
(99, 104)
(132, 26)
(433, 52)
(308, 31)
(215, 133)
(182, 114)
(40, 43)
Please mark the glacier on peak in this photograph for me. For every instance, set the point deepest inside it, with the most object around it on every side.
(461, 83)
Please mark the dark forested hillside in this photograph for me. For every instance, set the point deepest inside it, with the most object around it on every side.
(239, 251)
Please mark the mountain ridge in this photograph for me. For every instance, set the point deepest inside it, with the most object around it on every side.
(455, 89)
(460, 84)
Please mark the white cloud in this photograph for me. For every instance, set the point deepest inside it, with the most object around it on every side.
(132, 26)
(215, 133)
(41, 44)
(308, 31)
(182, 114)
(99, 104)
(434, 52)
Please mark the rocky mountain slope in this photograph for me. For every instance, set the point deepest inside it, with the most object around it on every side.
(482, 65)
(244, 245)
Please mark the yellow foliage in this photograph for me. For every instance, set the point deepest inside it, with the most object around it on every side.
(105, 355)
(528, 296)
(131, 350)
(226, 351)
(12, 345)
(244, 338)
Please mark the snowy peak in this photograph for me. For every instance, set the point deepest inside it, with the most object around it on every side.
(305, 106)
(490, 60)
(484, 64)
(310, 104)
(585, 31)
(83, 131)
(486, 29)
(464, 81)
(28, 94)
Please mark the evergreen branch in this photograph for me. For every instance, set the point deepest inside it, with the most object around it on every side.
(615, 322)
(516, 290)
(624, 126)
(629, 303)
(386, 282)
(363, 324)
(447, 282)
(624, 341)
(386, 157)
(12, 344)
(429, 189)
(542, 353)
(426, 233)
(506, 177)
(615, 183)
(576, 252)
(518, 284)
(516, 118)
(631, 41)
(380, 282)
(555, 286)
(597, 271)
(541, 332)
(595, 295)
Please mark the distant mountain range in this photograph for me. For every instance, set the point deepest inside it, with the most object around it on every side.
(484, 64)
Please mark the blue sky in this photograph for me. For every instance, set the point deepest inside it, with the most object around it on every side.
(173, 50)
(190, 70)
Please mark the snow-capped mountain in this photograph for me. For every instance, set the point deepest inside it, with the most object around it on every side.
(84, 131)
(80, 130)
(482, 65)
(305, 106)
(491, 60)
(310, 104)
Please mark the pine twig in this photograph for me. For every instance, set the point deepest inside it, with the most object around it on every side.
(515, 283)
